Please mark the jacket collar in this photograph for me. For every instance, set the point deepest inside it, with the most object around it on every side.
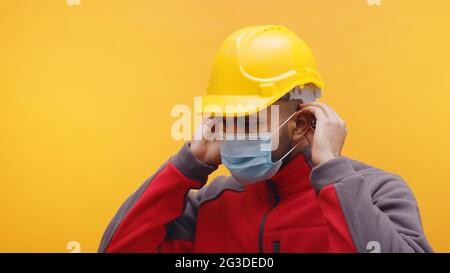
(294, 176)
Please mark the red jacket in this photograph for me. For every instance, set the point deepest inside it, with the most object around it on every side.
(340, 206)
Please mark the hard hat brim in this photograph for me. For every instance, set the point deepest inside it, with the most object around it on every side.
(240, 105)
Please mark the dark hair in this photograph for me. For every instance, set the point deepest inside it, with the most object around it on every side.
(287, 96)
(286, 99)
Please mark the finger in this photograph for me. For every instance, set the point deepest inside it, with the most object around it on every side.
(331, 114)
(198, 135)
(316, 111)
(336, 115)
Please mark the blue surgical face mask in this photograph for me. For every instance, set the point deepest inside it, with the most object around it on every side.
(250, 160)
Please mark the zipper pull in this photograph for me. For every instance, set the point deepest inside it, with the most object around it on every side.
(276, 247)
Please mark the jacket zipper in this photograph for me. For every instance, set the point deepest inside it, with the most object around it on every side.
(263, 221)
(276, 247)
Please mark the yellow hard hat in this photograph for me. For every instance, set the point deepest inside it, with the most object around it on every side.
(254, 67)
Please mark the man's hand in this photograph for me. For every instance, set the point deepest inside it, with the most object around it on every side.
(205, 146)
(328, 138)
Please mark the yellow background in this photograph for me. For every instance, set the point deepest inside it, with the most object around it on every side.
(86, 93)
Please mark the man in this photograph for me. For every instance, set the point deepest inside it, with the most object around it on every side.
(290, 190)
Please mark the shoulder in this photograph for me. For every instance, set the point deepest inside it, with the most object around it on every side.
(348, 173)
(217, 187)
(383, 183)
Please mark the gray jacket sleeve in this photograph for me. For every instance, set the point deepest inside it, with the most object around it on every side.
(380, 209)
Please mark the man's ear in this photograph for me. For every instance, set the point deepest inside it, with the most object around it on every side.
(300, 127)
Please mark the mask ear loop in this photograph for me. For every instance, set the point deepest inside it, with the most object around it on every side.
(283, 123)
(295, 146)
(268, 147)
(289, 152)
